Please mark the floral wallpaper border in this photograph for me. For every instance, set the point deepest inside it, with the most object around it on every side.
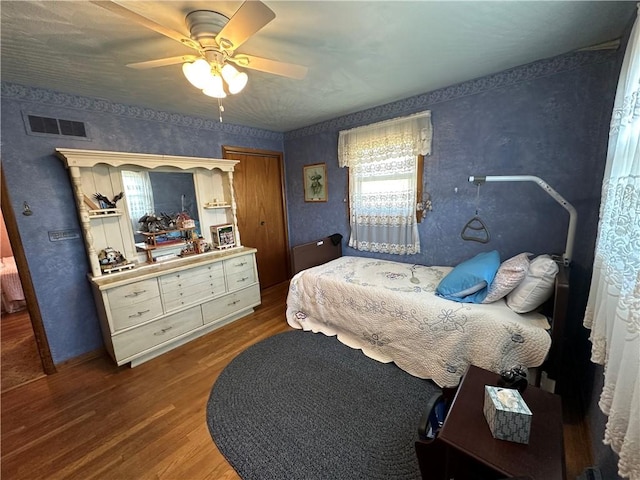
(523, 73)
(409, 105)
(50, 97)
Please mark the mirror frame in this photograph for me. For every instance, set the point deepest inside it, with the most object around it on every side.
(83, 162)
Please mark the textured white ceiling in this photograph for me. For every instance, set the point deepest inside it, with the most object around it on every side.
(359, 54)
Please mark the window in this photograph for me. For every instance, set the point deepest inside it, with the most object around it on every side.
(139, 195)
(383, 161)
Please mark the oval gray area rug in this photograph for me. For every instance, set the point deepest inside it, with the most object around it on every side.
(300, 405)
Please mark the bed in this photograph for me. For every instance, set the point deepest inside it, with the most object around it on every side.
(390, 311)
(12, 294)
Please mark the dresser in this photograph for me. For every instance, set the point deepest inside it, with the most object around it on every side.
(179, 282)
(148, 311)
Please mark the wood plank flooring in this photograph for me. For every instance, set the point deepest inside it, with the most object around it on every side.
(94, 420)
(20, 361)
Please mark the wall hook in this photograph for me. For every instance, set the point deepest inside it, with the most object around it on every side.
(26, 209)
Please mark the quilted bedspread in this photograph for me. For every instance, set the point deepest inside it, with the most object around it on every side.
(390, 311)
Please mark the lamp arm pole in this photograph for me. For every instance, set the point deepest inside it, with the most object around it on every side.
(573, 214)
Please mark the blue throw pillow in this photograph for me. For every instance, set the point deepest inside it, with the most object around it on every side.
(468, 281)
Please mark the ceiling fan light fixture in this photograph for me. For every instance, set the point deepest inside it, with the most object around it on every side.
(235, 80)
(198, 73)
(214, 88)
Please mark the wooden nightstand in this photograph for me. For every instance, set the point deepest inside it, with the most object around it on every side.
(465, 449)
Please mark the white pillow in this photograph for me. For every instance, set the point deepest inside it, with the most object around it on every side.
(508, 277)
(537, 286)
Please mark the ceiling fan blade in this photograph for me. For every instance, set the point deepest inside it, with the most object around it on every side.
(270, 66)
(248, 19)
(136, 17)
(162, 62)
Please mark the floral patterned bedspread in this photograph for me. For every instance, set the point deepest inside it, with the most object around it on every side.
(390, 311)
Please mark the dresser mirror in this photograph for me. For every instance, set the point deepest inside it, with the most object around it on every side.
(159, 193)
(200, 187)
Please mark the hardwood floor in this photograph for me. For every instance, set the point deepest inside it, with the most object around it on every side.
(94, 420)
(20, 361)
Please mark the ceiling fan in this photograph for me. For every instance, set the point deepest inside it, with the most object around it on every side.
(215, 38)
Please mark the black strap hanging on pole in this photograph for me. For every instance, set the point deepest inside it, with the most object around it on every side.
(475, 229)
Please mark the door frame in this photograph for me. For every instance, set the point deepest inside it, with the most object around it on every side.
(25, 278)
(230, 150)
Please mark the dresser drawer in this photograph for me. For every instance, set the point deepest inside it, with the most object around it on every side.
(238, 264)
(204, 288)
(147, 336)
(133, 293)
(239, 280)
(191, 276)
(135, 314)
(173, 301)
(233, 302)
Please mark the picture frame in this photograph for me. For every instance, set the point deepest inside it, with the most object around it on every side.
(223, 236)
(314, 177)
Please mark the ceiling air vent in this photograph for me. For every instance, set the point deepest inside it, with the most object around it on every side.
(56, 126)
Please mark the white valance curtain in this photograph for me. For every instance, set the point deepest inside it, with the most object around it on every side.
(382, 161)
(613, 308)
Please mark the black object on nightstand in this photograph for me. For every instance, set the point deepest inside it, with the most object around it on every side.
(465, 449)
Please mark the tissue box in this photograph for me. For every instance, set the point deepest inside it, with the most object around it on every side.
(508, 416)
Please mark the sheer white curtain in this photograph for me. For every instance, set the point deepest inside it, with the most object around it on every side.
(613, 308)
(382, 160)
(138, 194)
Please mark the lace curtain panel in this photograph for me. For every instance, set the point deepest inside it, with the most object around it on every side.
(139, 195)
(613, 308)
(382, 161)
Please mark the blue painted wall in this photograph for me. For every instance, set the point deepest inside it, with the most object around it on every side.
(549, 119)
(34, 175)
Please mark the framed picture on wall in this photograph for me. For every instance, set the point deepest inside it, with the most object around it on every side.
(315, 182)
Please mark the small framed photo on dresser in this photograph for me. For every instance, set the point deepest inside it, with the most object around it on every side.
(315, 182)
(223, 236)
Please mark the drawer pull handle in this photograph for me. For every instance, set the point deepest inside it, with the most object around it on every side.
(232, 303)
(163, 331)
(241, 264)
(139, 314)
(243, 279)
(135, 294)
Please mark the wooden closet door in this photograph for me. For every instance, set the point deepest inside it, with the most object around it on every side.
(258, 181)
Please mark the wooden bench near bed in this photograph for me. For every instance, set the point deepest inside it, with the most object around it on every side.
(326, 250)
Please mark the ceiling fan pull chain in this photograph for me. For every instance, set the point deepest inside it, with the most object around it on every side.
(220, 109)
